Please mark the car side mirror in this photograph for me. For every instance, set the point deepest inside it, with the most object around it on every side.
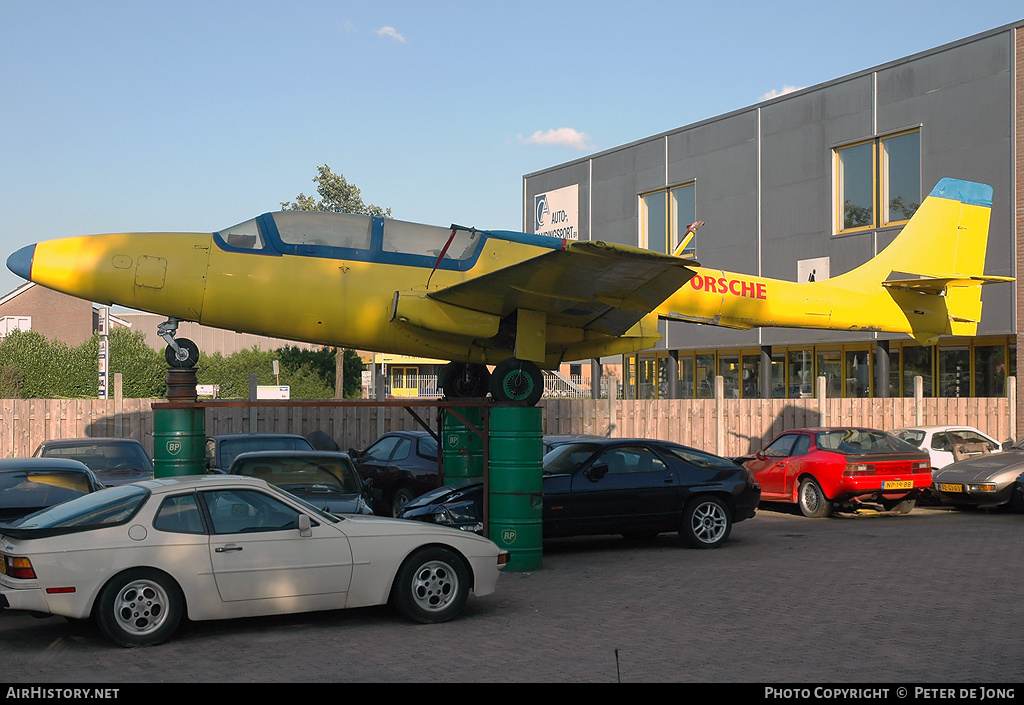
(353, 453)
(305, 527)
(1008, 444)
(596, 472)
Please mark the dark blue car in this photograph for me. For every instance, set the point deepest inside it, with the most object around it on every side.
(635, 487)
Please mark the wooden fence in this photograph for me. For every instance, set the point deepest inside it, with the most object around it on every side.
(728, 427)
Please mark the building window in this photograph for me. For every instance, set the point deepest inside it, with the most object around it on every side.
(729, 368)
(801, 374)
(686, 387)
(878, 182)
(665, 216)
(917, 362)
(989, 370)
(830, 366)
(855, 167)
(894, 371)
(955, 371)
(704, 375)
(858, 373)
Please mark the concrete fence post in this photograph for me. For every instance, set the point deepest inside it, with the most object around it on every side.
(719, 415)
(918, 399)
(819, 393)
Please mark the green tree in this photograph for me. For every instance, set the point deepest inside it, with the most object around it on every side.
(143, 370)
(337, 195)
(28, 360)
(33, 367)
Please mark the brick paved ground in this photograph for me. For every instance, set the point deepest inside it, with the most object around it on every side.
(930, 597)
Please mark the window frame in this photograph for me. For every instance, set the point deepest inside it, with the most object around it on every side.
(674, 229)
(880, 181)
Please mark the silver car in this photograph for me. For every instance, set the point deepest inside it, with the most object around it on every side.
(982, 481)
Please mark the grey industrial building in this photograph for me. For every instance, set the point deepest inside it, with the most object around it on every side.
(814, 183)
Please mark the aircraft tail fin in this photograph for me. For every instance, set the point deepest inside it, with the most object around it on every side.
(939, 253)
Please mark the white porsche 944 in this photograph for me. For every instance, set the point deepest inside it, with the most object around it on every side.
(140, 557)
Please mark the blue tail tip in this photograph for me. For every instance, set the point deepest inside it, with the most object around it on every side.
(970, 192)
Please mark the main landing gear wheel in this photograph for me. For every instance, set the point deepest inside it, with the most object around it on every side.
(517, 380)
(187, 354)
(462, 379)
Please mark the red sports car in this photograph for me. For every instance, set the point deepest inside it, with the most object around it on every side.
(821, 469)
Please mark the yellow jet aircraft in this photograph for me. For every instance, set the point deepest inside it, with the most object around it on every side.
(518, 301)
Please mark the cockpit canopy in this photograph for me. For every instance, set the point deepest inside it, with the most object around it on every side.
(348, 236)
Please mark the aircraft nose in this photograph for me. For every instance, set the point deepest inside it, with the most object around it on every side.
(20, 262)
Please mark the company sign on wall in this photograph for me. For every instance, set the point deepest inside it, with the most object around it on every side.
(557, 213)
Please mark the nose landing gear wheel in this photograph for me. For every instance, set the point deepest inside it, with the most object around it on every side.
(517, 380)
(187, 354)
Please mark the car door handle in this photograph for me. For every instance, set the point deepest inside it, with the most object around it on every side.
(227, 549)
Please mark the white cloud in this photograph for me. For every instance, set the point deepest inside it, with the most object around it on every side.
(562, 137)
(775, 92)
(390, 33)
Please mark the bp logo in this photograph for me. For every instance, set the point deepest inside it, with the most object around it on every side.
(508, 535)
(173, 447)
(453, 440)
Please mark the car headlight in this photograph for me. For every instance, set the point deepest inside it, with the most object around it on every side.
(442, 516)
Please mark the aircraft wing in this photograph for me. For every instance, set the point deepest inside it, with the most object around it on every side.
(597, 286)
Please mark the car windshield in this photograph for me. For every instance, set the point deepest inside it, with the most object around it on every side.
(856, 441)
(566, 458)
(101, 457)
(230, 448)
(910, 435)
(103, 508)
(309, 474)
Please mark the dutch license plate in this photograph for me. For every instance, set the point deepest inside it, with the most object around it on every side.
(898, 485)
(946, 487)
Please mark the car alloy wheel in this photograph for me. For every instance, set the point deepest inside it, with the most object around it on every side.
(139, 608)
(707, 523)
(812, 500)
(431, 586)
(402, 497)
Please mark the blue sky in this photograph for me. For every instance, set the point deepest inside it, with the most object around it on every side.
(192, 116)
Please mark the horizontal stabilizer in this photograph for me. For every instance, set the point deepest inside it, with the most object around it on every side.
(936, 285)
